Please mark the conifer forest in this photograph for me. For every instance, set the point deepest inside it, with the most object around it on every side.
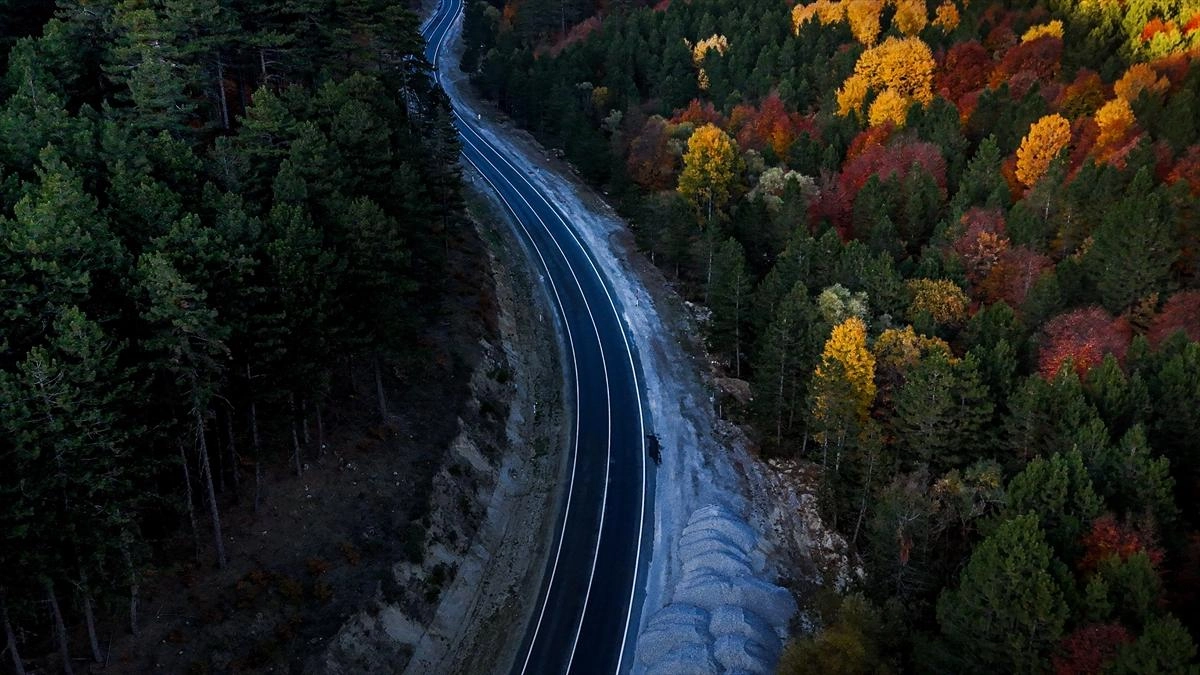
(212, 215)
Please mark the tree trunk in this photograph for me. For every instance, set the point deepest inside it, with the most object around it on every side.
(256, 444)
(234, 458)
(133, 590)
(60, 628)
(304, 422)
(383, 415)
(89, 617)
(221, 92)
(206, 474)
(191, 509)
(11, 636)
(862, 510)
(295, 437)
(737, 330)
(320, 432)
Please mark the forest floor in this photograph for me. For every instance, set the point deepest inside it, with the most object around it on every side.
(409, 526)
(706, 458)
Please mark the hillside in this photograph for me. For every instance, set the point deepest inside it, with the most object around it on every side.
(952, 248)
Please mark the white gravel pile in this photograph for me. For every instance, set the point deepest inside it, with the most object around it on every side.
(723, 617)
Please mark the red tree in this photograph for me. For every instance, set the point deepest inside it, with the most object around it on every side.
(894, 160)
(870, 137)
(1089, 648)
(1110, 538)
(965, 69)
(1187, 169)
(982, 242)
(768, 126)
(1181, 313)
(699, 114)
(1155, 26)
(1042, 58)
(1083, 336)
(1013, 275)
(651, 163)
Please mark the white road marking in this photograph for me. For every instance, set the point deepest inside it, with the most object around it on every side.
(447, 19)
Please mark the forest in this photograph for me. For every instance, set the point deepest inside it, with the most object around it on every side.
(212, 213)
(952, 246)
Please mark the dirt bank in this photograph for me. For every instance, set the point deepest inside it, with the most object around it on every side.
(490, 519)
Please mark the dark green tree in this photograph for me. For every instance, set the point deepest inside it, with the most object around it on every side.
(1008, 610)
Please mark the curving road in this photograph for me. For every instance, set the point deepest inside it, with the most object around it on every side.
(587, 614)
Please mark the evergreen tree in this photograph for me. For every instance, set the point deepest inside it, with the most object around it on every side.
(788, 350)
(1133, 248)
(729, 299)
(1059, 492)
(941, 411)
(1008, 610)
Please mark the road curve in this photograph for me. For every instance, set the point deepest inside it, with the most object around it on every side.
(588, 611)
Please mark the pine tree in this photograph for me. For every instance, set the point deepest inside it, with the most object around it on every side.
(941, 411)
(728, 299)
(787, 352)
(1163, 647)
(1133, 248)
(1059, 492)
(982, 183)
(1008, 610)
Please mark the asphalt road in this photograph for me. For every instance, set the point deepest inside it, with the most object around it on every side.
(586, 618)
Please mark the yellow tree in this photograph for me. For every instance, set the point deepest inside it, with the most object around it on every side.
(846, 374)
(1140, 77)
(1115, 119)
(863, 17)
(941, 299)
(711, 167)
(710, 170)
(1047, 137)
(825, 11)
(851, 96)
(911, 16)
(946, 16)
(719, 43)
(888, 106)
(903, 66)
(1052, 29)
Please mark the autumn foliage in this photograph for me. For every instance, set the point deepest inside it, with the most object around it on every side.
(965, 70)
(863, 17)
(710, 169)
(1039, 60)
(903, 66)
(1046, 139)
(769, 125)
(1082, 337)
(847, 346)
(946, 16)
(982, 242)
(941, 299)
(894, 160)
(1087, 650)
(651, 162)
(1110, 538)
(1181, 313)
(1052, 29)
(1013, 275)
(1187, 170)
(1139, 78)
(1115, 121)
